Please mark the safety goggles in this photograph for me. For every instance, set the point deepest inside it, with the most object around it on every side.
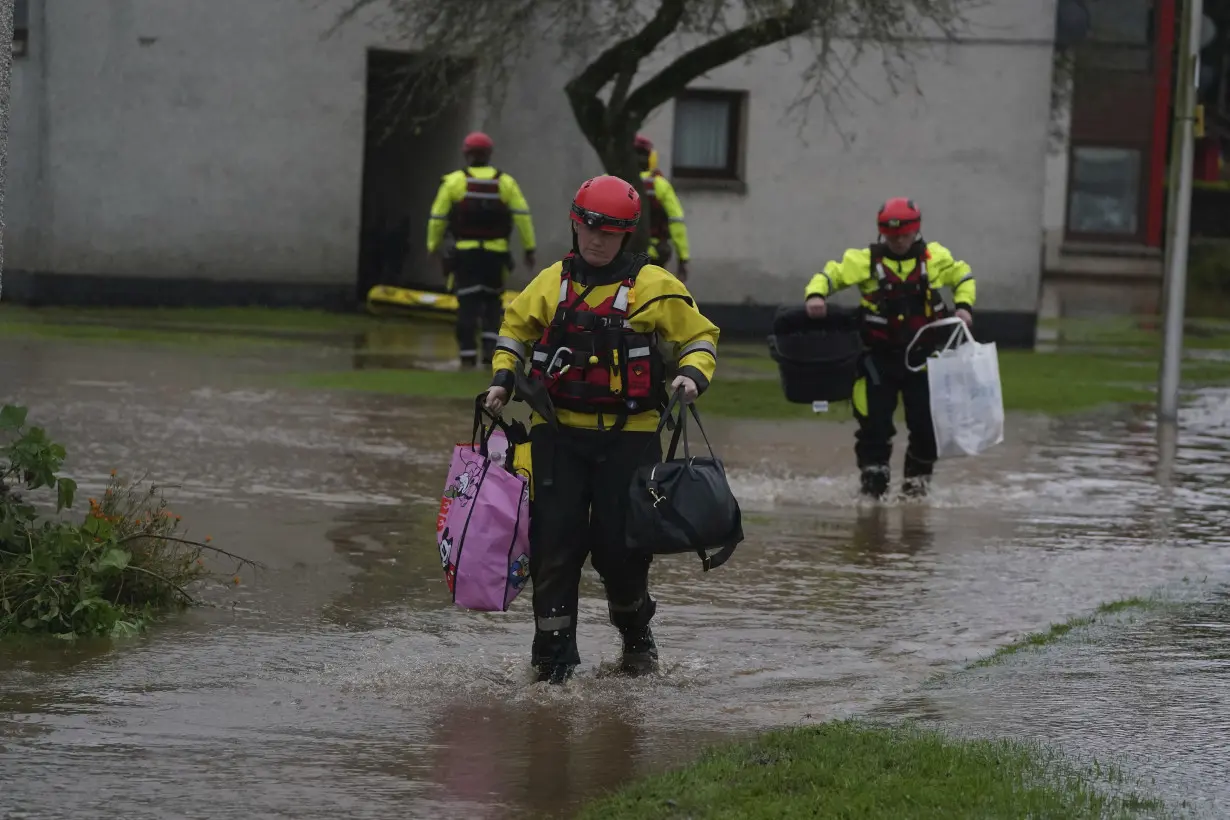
(596, 220)
(897, 224)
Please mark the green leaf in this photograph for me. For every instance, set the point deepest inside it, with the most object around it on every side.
(97, 527)
(65, 636)
(12, 417)
(114, 558)
(66, 490)
(88, 603)
(125, 629)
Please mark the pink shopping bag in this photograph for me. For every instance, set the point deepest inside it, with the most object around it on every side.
(483, 528)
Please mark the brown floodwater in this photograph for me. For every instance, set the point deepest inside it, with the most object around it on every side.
(341, 682)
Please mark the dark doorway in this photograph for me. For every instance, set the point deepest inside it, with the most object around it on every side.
(416, 117)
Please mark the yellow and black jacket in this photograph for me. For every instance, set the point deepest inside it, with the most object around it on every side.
(877, 274)
(658, 305)
(454, 188)
(665, 213)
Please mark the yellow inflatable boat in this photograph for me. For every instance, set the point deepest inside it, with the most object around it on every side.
(386, 300)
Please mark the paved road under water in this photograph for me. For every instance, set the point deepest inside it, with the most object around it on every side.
(342, 682)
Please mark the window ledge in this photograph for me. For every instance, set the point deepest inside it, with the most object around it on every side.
(1109, 248)
(733, 186)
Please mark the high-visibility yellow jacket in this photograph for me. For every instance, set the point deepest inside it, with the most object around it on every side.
(659, 303)
(661, 194)
(855, 269)
(453, 189)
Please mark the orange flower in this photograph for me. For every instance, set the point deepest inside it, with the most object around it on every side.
(113, 473)
(208, 538)
(236, 580)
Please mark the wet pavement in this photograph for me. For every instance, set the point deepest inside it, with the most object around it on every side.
(1147, 693)
(341, 681)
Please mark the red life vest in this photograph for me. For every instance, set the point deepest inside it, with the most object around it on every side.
(480, 214)
(901, 306)
(659, 222)
(591, 359)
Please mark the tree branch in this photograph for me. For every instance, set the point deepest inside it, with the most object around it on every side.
(632, 49)
(718, 52)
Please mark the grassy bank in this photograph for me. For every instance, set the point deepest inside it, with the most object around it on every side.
(852, 769)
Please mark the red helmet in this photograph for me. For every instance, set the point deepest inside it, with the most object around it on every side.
(477, 141)
(899, 216)
(643, 143)
(607, 203)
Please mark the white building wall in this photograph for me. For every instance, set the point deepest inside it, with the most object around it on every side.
(225, 140)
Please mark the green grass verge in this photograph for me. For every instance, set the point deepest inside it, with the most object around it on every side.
(207, 340)
(1048, 383)
(1117, 363)
(289, 320)
(1056, 631)
(1139, 332)
(850, 769)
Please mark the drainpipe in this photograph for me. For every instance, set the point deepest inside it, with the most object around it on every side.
(1162, 92)
(6, 70)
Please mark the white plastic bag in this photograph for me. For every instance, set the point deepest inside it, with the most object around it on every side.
(967, 402)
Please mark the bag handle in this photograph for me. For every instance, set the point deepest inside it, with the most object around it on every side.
(481, 433)
(681, 428)
(961, 330)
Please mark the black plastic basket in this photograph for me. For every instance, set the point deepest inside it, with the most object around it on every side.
(817, 359)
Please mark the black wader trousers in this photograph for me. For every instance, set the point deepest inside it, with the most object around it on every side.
(882, 375)
(580, 508)
(478, 284)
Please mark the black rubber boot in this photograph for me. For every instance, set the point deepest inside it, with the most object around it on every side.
(555, 673)
(873, 481)
(917, 476)
(640, 655)
(554, 655)
(916, 486)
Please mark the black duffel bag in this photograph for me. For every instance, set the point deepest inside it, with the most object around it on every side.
(684, 505)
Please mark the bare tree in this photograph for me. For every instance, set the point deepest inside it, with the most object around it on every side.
(613, 40)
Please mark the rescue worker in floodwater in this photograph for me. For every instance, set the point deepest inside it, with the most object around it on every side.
(590, 328)
(899, 276)
(479, 205)
(666, 223)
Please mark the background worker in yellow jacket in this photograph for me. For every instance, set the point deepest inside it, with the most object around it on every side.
(899, 277)
(666, 223)
(479, 205)
(589, 329)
